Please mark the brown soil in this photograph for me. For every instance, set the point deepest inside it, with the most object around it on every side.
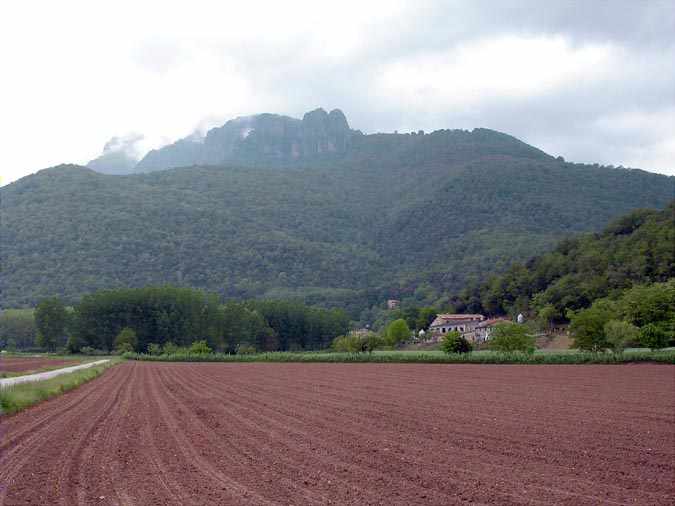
(30, 364)
(155, 434)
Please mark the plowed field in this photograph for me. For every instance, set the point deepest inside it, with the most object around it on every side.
(155, 434)
(28, 364)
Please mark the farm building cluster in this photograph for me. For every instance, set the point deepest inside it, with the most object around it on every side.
(474, 327)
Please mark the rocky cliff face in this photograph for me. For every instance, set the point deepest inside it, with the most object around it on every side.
(271, 139)
(119, 156)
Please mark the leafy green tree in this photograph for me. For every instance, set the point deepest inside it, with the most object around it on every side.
(170, 348)
(425, 317)
(371, 342)
(454, 342)
(510, 337)
(297, 326)
(347, 344)
(200, 348)
(397, 332)
(588, 325)
(654, 337)
(547, 315)
(154, 349)
(126, 340)
(653, 303)
(619, 334)
(73, 344)
(50, 320)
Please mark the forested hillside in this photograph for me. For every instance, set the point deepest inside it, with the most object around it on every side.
(637, 248)
(392, 213)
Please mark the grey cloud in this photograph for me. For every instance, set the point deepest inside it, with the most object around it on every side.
(625, 21)
(570, 121)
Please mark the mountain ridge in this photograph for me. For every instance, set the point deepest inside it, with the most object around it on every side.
(281, 141)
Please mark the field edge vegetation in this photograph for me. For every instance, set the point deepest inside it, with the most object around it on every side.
(485, 357)
(19, 397)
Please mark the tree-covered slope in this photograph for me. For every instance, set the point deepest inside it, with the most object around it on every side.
(637, 248)
(392, 212)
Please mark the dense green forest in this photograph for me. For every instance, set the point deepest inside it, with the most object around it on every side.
(641, 315)
(169, 317)
(635, 249)
(623, 277)
(395, 216)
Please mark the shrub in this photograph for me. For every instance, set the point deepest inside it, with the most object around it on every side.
(454, 342)
(88, 350)
(246, 349)
(154, 349)
(653, 336)
(200, 348)
(371, 342)
(619, 334)
(348, 344)
(126, 340)
(123, 348)
(510, 337)
(170, 348)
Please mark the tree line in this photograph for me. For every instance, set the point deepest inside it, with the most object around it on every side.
(136, 318)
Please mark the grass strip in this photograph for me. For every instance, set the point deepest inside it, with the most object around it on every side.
(430, 357)
(18, 397)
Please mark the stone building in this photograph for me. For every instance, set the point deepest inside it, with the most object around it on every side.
(462, 323)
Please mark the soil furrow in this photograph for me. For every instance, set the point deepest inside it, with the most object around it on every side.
(207, 434)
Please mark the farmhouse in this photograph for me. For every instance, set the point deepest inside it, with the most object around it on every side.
(463, 323)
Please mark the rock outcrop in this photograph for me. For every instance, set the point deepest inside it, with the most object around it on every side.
(269, 139)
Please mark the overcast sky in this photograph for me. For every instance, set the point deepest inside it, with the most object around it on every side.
(591, 80)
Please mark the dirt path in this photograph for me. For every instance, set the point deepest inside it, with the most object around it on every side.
(150, 433)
